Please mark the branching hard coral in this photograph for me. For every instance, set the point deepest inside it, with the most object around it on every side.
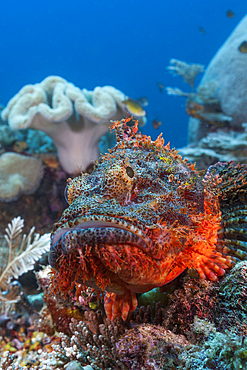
(59, 312)
(75, 119)
(7, 362)
(144, 315)
(98, 351)
(19, 256)
(19, 174)
(188, 71)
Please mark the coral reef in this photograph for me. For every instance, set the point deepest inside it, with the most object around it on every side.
(19, 174)
(150, 347)
(218, 146)
(145, 346)
(200, 104)
(57, 314)
(24, 349)
(194, 298)
(150, 309)
(25, 141)
(227, 71)
(43, 207)
(222, 303)
(75, 119)
(216, 351)
(87, 349)
(201, 326)
(217, 127)
(231, 308)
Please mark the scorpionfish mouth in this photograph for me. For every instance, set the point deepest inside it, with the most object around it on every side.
(101, 252)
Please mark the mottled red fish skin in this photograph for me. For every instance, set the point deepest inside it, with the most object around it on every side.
(148, 190)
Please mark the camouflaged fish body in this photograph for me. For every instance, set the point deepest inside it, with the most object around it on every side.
(142, 217)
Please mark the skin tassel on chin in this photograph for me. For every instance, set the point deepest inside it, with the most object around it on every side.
(116, 305)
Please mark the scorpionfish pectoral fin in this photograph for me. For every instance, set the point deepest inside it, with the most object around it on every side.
(119, 305)
(217, 237)
(228, 184)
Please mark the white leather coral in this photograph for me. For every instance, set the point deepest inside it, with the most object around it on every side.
(75, 119)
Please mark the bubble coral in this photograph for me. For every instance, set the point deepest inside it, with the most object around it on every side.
(19, 174)
(75, 119)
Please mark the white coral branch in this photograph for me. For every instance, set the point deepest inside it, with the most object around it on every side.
(22, 260)
(178, 92)
(188, 71)
(14, 229)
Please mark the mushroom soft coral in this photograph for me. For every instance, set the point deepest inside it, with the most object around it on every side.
(75, 119)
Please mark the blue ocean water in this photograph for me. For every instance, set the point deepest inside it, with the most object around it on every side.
(125, 44)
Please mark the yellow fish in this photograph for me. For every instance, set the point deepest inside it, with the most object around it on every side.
(134, 108)
(243, 47)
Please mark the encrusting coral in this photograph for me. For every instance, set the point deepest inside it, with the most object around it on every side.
(194, 298)
(213, 349)
(219, 146)
(150, 347)
(231, 304)
(75, 119)
(19, 174)
(221, 303)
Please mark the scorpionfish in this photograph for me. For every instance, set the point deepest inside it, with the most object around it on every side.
(142, 217)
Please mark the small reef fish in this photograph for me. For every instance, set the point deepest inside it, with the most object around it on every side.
(156, 124)
(202, 30)
(243, 47)
(134, 108)
(160, 86)
(143, 101)
(230, 14)
(142, 217)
